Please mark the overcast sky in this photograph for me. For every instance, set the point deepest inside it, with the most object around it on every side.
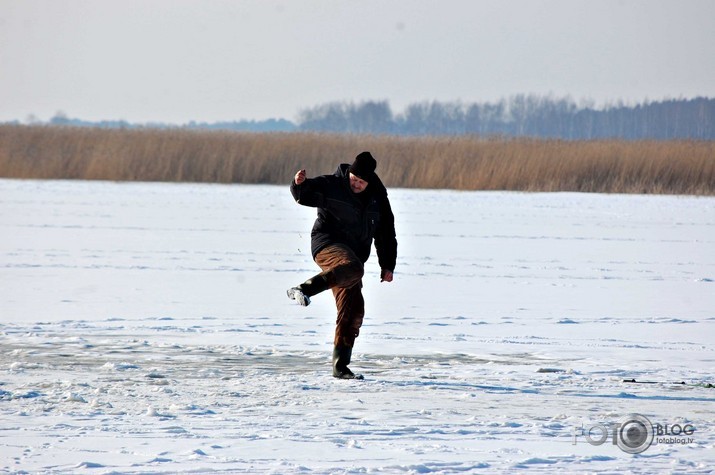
(213, 60)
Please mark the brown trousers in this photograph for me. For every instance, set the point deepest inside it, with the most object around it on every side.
(343, 272)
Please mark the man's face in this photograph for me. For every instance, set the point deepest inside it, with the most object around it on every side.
(357, 184)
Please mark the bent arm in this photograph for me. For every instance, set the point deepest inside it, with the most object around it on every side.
(307, 191)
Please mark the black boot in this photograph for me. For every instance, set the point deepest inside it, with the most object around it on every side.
(307, 289)
(314, 285)
(341, 360)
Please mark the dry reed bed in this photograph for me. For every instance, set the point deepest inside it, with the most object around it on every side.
(464, 163)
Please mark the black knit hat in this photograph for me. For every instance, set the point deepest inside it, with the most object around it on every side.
(364, 166)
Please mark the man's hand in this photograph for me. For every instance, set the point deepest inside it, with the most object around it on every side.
(385, 276)
(299, 177)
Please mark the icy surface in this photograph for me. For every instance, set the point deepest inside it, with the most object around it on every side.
(145, 328)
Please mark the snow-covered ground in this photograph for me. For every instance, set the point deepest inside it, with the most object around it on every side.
(145, 328)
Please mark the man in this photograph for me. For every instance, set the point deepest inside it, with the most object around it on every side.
(352, 210)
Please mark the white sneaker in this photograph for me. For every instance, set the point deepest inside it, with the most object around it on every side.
(296, 294)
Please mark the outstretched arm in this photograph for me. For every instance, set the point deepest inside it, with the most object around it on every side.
(386, 242)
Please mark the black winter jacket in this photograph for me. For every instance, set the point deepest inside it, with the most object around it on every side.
(353, 219)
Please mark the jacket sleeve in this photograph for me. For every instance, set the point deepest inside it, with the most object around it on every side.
(308, 193)
(385, 240)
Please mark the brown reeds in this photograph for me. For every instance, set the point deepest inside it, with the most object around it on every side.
(464, 163)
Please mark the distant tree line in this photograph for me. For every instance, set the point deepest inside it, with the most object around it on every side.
(517, 116)
(521, 116)
(270, 125)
